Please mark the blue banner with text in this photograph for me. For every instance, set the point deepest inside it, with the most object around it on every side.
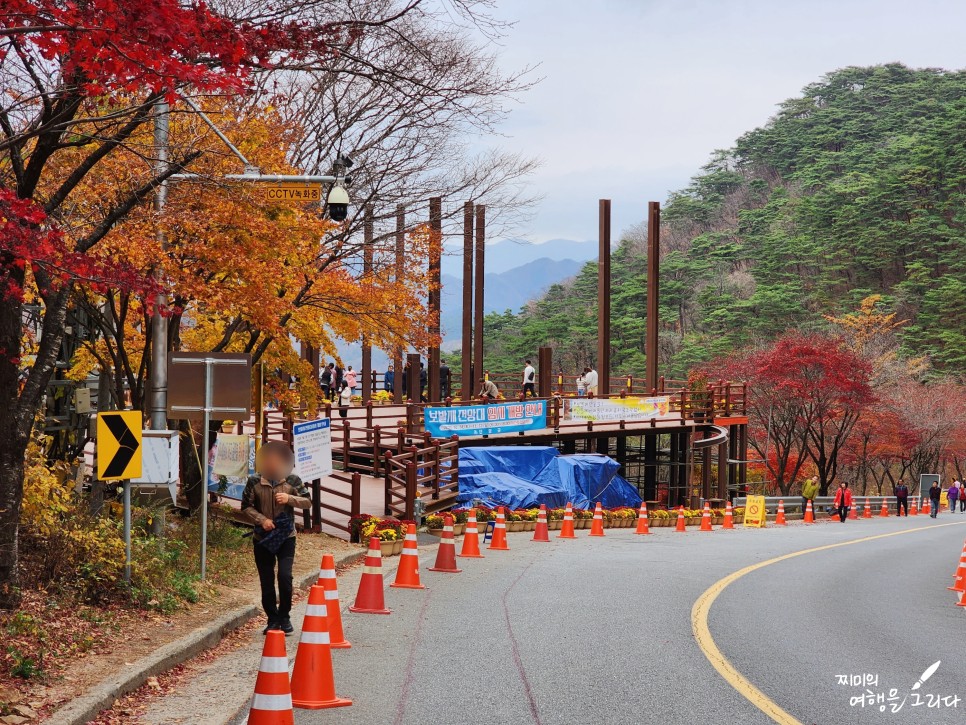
(481, 420)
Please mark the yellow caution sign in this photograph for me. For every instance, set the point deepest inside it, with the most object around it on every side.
(119, 445)
(755, 512)
(293, 191)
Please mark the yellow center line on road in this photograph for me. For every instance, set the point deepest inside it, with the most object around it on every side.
(702, 632)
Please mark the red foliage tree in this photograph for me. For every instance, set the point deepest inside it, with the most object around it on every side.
(806, 395)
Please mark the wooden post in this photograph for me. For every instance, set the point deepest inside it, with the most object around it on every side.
(412, 380)
(435, 297)
(653, 292)
(544, 373)
(478, 297)
(366, 371)
(466, 348)
(397, 355)
(723, 470)
(603, 298)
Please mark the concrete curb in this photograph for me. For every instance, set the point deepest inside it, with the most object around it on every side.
(103, 695)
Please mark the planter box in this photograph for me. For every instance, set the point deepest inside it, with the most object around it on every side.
(388, 547)
(529, 525)
(554, 525)
(435, 532)
(514, 525)
(459, 529)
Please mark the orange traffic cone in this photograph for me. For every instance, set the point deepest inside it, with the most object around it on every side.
(498, 541)
(567, 527)
(959, 583)
(867, 511)
(407, 573)
(809, 516)
(471, 539)
(884, 510)
(313, 685)
(681, 525)
(913, 511)
(597, 525)
(780, 516)
(541, 532)
(328, 582)
(272, 703)
(853, 512)
(706, 518)
(960, 603)
(642, 524)
(729, 518)
(446, 555)
(371, 598)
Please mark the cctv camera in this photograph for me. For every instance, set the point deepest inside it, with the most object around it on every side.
(338, 203)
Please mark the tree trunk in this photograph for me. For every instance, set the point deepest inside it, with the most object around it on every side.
(12, 451)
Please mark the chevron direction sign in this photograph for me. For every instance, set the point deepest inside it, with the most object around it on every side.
(119, 445)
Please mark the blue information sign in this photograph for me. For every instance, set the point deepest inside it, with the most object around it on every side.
(478, 420)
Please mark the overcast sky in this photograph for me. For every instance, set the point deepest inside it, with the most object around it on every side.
(638, 93)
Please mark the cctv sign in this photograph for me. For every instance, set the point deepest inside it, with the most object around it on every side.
(293, 191)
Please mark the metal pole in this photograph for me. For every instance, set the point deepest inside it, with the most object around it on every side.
(158, 374)
(653, 291)
(435, 297)
(466, 348)
(397, 356)
(209, 362)
(603, 298)
(127, 530)
(366, 371)
(479, 293)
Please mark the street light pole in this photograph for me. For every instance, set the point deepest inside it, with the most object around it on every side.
(158, 404)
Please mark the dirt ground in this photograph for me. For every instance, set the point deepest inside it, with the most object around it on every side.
(126, 635)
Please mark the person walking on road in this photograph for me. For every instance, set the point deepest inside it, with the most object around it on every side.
(345, 400)
(489, 392)
(843, 501)
(590, 378)
(952, 494)
(962, 495)
(529, 380)
(935, 495)
(902, 498)
(809, 491)
(269, 500)
(338, 376)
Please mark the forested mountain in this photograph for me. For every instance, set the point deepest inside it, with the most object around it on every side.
(857, 187)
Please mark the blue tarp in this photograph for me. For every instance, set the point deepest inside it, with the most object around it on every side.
(527, 476)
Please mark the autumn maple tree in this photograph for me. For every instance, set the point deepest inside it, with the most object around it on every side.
(80, 81)
(806, 395)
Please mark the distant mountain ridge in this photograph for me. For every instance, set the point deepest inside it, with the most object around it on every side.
(508, 254)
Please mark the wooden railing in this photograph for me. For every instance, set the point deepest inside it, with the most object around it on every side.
(430, 474)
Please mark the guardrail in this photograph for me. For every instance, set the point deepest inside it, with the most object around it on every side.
(794, 503)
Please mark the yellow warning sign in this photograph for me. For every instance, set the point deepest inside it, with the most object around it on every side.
(755, 511)
(293, 191)
(119, 445)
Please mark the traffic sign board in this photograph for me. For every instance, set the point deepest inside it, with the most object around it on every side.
(293, 191)
(119, 445)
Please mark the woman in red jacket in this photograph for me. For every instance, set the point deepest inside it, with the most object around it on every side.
(843, 501)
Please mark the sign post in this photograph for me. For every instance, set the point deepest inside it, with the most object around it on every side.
(755, 512)
(229, 393)
(119, 459)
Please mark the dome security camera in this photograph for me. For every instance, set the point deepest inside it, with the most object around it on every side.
(338, 204)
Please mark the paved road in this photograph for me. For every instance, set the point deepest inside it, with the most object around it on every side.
(600, 631)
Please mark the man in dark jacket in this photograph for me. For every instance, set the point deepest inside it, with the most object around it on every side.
(935, 495)
(902, 498)
(270, 500)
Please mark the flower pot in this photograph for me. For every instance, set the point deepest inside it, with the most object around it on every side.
(397, 547)
(717, 520)
(459, 529)
(554, 525)
(387, 547)
(514, 525)
(435, 532)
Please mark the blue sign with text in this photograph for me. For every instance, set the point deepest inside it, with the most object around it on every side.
(481, 420)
